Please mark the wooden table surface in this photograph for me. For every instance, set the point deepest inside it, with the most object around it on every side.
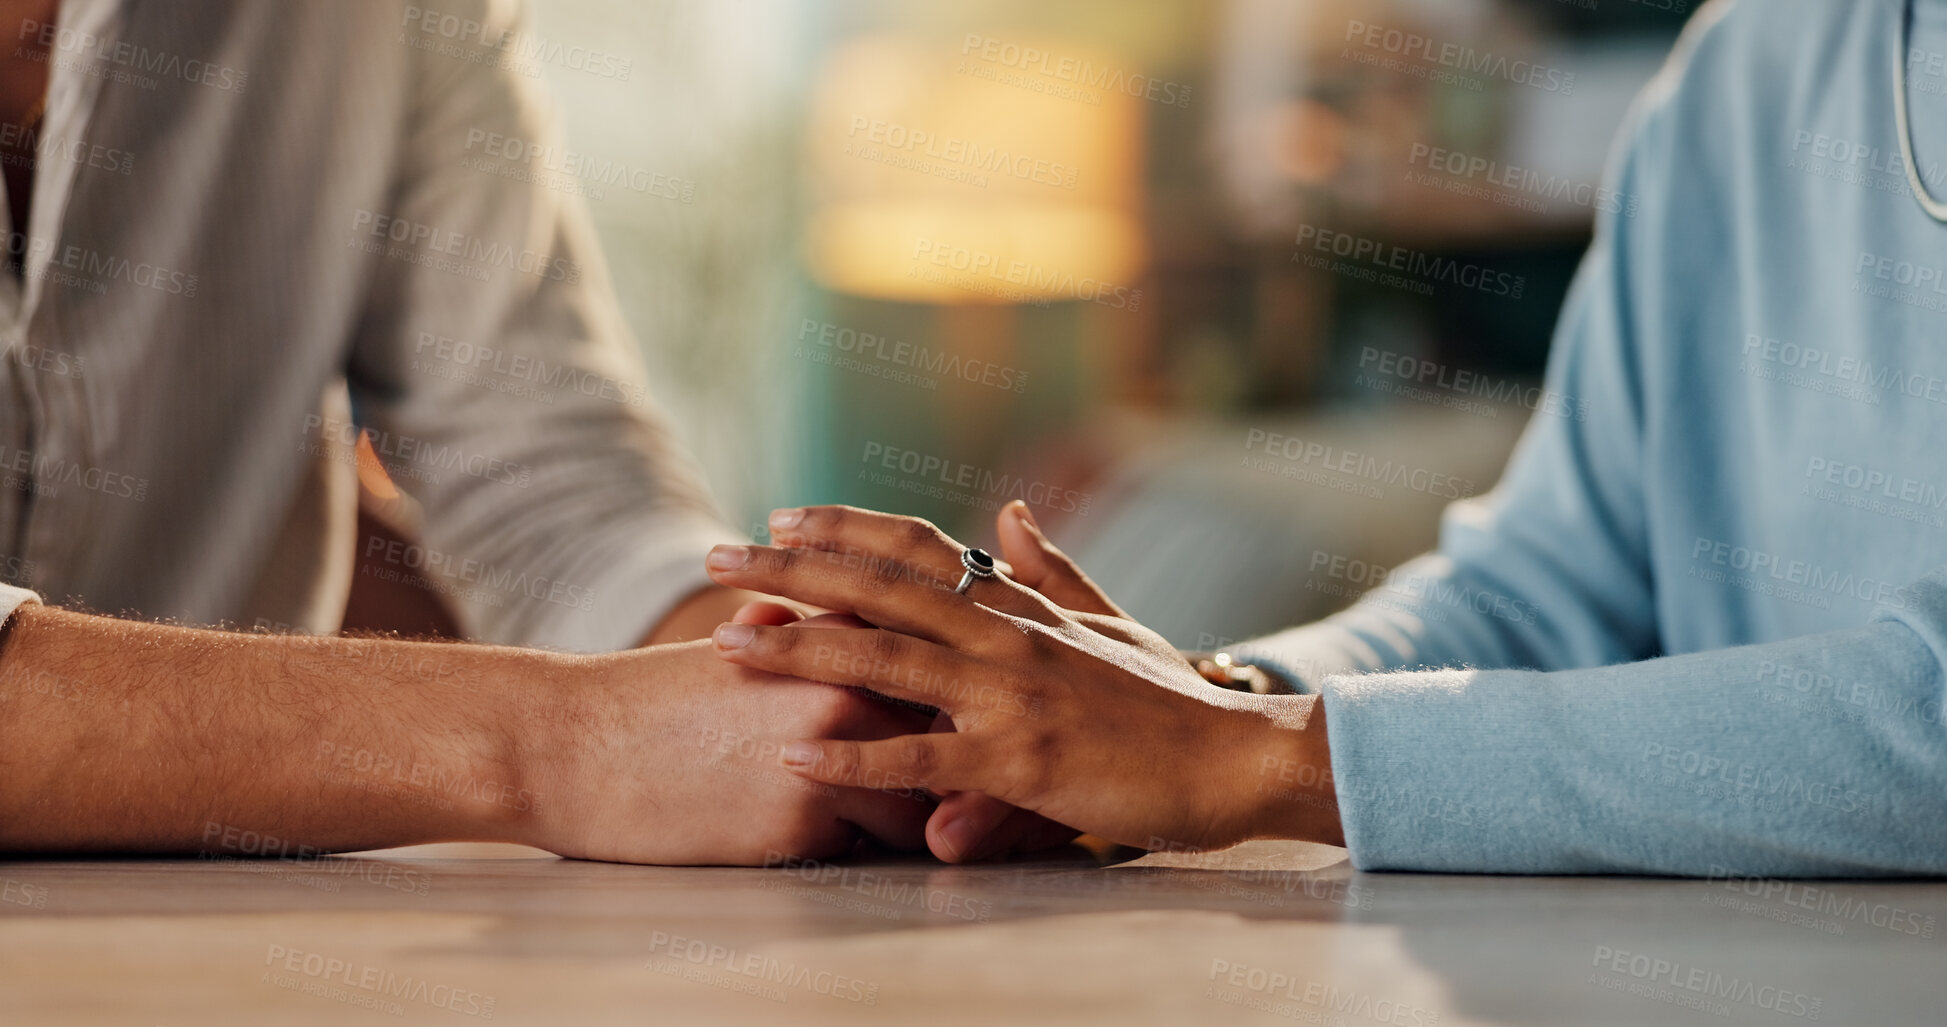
(1263, 933)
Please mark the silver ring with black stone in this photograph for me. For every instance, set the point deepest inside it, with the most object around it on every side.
(979, 564)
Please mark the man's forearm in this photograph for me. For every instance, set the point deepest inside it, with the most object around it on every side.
(139, 737)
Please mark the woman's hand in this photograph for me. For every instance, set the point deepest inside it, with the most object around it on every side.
(969, 826)
(1088, 719)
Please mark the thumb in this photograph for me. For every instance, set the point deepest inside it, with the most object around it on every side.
(969, 826)
(1040, 566)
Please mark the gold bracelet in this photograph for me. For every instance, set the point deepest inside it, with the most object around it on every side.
(1223, 670)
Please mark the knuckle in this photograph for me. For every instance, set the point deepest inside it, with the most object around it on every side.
(779, 641)
(915, 759)
(779, 561)
(885, 649)
(1036, 643)
(829, 710)
(1024, 692)
(1046, 611)
(1038, 749)
(1005, 647)
(916, 535)
(822, 520)
(842, 760)
(1041, 745)
(883, 574)
(827, 559)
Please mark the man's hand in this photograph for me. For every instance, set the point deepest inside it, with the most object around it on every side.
(128, 737)
(701, 611)
(657, 756)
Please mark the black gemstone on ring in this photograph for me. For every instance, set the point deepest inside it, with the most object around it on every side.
(979, 561)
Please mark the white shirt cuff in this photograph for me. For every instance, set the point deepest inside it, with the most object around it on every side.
(11, 598)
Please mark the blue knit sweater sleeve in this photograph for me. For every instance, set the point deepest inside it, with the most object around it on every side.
(1504, 705)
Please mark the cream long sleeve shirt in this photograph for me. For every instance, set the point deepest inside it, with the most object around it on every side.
(252, 219)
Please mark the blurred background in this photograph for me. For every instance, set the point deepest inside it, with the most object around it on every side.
(1236, 294)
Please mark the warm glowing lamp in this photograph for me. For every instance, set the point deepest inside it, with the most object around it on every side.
(1010, 176)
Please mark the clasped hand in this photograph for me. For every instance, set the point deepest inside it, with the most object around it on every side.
(1058, 704)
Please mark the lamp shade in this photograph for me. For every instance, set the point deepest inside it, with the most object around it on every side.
(944, 177)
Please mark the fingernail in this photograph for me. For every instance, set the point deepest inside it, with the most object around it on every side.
(727, 558)
(786, 518)
(1026, 515)
(955, 835)
(800, 754)
(733, 636)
